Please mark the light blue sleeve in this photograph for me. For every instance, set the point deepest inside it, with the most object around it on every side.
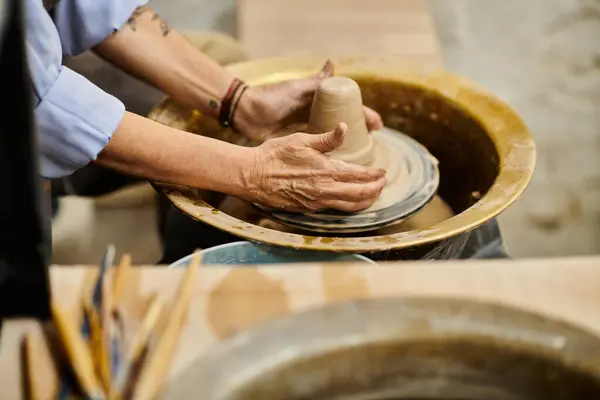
(82, 24)
(75, 118)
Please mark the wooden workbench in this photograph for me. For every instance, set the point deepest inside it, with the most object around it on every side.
(227, 300)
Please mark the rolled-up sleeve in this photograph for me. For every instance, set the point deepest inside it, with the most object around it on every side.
(82, 24)
(75, 118)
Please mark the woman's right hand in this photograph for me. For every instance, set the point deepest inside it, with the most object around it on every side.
(293, 173)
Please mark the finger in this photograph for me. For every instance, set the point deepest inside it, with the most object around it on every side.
(373, 119)
(353, 192)
(328, 141)
(304, 89)
(352, 173)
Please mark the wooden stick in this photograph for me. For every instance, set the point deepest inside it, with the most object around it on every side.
(139, 342)
(118, 279)
(78, 353)
(145, 330)
(98, 347)
(110, 356)
(115, 332)
(155, 369)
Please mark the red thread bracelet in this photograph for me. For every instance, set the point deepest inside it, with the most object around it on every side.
(235, 105)
(225, 114)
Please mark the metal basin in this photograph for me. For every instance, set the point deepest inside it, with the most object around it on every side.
(400, 349)
(486, 153)
(246, 253)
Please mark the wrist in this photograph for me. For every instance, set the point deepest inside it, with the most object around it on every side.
(248, 113)
(234, 179)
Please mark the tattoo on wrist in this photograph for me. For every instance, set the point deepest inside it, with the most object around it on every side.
(136, 14)
(164, 26)
(132, 21)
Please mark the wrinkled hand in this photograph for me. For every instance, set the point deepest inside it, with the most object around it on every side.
(282, 108)
(293, 173)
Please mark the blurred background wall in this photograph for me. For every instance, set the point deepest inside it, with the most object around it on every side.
(541, 56)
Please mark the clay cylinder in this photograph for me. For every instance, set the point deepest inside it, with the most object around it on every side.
(338, 99)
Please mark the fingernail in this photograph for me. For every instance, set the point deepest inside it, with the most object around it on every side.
(324, 71)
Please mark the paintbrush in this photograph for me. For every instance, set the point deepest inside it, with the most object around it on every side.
(78, 354)
(97, 345)
(98, 292)
(99, 311)
(138, 344)
(154, 370)
(117, 331)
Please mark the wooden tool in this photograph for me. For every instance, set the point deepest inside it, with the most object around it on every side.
(118, 280)
(78, 353)
(154, 370)
(99, 310)
(98, 346)
(139, 342)
(94, 349)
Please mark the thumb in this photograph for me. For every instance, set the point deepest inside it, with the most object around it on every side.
(329, 141)
(306, 87)
(326, 71)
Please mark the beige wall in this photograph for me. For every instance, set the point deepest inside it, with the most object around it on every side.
(542, 57)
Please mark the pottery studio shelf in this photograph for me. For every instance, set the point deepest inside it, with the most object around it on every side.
(228, 300)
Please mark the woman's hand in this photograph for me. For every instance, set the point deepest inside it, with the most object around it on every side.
(294, 174)
(275, 110)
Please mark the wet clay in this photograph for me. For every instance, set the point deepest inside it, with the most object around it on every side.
(338, 99)
(229, 310)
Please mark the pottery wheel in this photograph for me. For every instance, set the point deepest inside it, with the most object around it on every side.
(413, 179)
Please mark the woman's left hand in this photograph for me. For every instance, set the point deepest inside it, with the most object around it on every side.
(281, 108)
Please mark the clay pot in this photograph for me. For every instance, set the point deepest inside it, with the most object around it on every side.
(422, 349)
(486, 154)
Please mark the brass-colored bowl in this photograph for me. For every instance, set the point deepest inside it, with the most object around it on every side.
(486, 153)
(426, 349)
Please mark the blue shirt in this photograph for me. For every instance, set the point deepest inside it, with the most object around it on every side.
(75, 118)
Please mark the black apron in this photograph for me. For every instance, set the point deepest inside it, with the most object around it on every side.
(25, 226)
